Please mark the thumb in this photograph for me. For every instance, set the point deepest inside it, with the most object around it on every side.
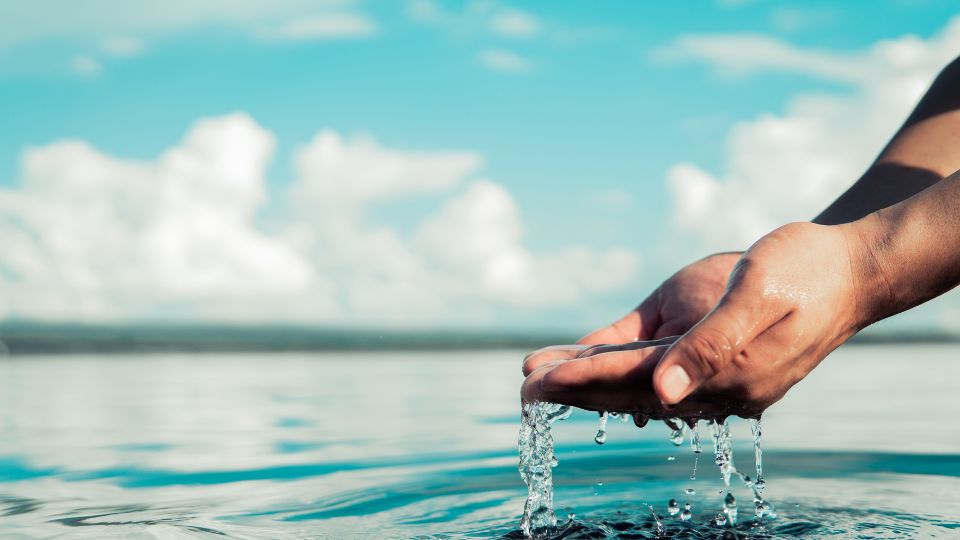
(711, 345)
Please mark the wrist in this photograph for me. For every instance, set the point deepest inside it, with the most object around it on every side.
(868, 242)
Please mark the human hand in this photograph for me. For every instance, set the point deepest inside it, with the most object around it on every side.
(670, 310)
(792, 298)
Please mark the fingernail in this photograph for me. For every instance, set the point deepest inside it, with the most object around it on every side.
(674, 384)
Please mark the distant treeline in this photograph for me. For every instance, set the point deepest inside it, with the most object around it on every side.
(23, 339)
(17, 339)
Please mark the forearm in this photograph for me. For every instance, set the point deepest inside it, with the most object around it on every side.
(923, 152)
(908, 253)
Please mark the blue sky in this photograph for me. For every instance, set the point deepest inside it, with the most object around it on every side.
(577, 111)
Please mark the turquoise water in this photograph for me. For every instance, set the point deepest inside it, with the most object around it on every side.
(401, 445)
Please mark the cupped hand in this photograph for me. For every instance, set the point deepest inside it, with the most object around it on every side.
(792, 298)
(670, 310)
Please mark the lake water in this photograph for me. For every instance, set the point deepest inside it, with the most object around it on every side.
(401, 445)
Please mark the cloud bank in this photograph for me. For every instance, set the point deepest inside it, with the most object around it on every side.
(95, 237)
(787, 167)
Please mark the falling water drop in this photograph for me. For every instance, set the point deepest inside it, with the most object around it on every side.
(696, 461)
(676, 433)
(695, 443)
(673, 507)
(758, 484)
(723, 450)
(690, 491)
(602, 429)
(671, 458)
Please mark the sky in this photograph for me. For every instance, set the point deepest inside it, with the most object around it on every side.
(425, 164)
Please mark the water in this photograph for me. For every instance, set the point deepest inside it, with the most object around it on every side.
(537, 461)
(403, 445)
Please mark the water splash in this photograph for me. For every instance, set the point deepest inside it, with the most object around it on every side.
(602, 429)
(730, 508)
(660, 529)
(536, 465)
(686, 514)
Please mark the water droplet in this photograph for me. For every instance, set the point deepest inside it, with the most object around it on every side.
(671, 458)
(676, 434)
(554, 461)
(762, 509)
(560, 412)
(690, 491)
(686, 514)
(673, 507)
(602, 429)
(695, 443)
(757, 453)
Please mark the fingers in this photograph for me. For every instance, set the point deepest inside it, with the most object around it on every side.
(617, 380)
(546, 355)
(712, 344)
(633, 345)
(639, 324)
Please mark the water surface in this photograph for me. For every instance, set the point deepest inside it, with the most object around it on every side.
(401, 445)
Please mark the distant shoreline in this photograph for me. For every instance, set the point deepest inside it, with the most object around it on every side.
(34, 339)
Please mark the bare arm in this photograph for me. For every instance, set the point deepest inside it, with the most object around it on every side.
(923, 152)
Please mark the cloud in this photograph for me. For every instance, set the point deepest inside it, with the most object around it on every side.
(47, 19)
(323, 27)
(789, 166)
(789, 19)
(504, 61)
(424, 11)
(742, 54)
(94, 237)
(86, 66)
(515, 23)
(122, 46)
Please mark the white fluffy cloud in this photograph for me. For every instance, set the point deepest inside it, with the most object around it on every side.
(788, 167)
(323, 27)
(45, 19)
(515, 23)
(91, 236)
(503, 61)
